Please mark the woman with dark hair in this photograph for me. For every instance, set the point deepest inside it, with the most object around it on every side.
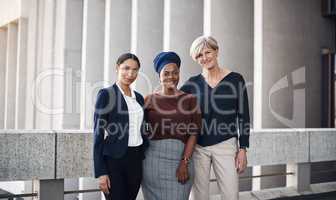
(174, 121)
(224, 138)
(119, 143)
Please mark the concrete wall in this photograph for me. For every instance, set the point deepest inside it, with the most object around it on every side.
(72, 156)
(76, 164)
(294, 33)
(27, 154)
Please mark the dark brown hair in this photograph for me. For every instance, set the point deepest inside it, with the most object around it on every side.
(127, 56)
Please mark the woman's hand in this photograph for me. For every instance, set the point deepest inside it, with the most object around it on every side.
(182, 172)
(104, 183)
(241, 161)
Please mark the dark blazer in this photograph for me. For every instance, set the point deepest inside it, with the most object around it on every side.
(111, 116)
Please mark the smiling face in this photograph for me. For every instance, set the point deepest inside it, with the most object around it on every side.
(170, 76)
(127, 72)
(207, 58)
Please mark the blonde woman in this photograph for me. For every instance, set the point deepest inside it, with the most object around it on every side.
(224, 138)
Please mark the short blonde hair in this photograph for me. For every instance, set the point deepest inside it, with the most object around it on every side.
(201, 42)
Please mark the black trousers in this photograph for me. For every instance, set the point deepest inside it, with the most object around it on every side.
(125, 175)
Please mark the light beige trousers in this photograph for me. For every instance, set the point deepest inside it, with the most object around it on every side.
(222, 157)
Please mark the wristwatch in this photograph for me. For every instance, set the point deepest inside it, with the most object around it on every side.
(244, 148)
(186, 159)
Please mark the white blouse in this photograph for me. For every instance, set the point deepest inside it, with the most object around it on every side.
(136, 115)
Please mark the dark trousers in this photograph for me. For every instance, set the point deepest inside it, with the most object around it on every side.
(125, 175)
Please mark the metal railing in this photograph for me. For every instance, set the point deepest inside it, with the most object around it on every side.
(35, 194)
(12, 196)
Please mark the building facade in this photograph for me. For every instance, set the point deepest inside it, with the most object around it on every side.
(56, 54)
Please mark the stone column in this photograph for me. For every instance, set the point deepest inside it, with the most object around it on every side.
(92, 58)
(10, 90)
(42, 89)
(181, 33)
(257, 86)
(92, 74)
(57, 80)
(301, 178)
(21, 74)
(52, 189)
(67, 63)
(149, 43)
(67, 78)
(117, 35)
(32, 57)
(3, 50)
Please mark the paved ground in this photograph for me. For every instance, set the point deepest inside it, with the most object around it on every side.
(323, 196)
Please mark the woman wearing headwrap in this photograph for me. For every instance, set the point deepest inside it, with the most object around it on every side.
(174, 122)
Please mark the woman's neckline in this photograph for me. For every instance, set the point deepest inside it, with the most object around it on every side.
(219, 82)
(170, 96)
